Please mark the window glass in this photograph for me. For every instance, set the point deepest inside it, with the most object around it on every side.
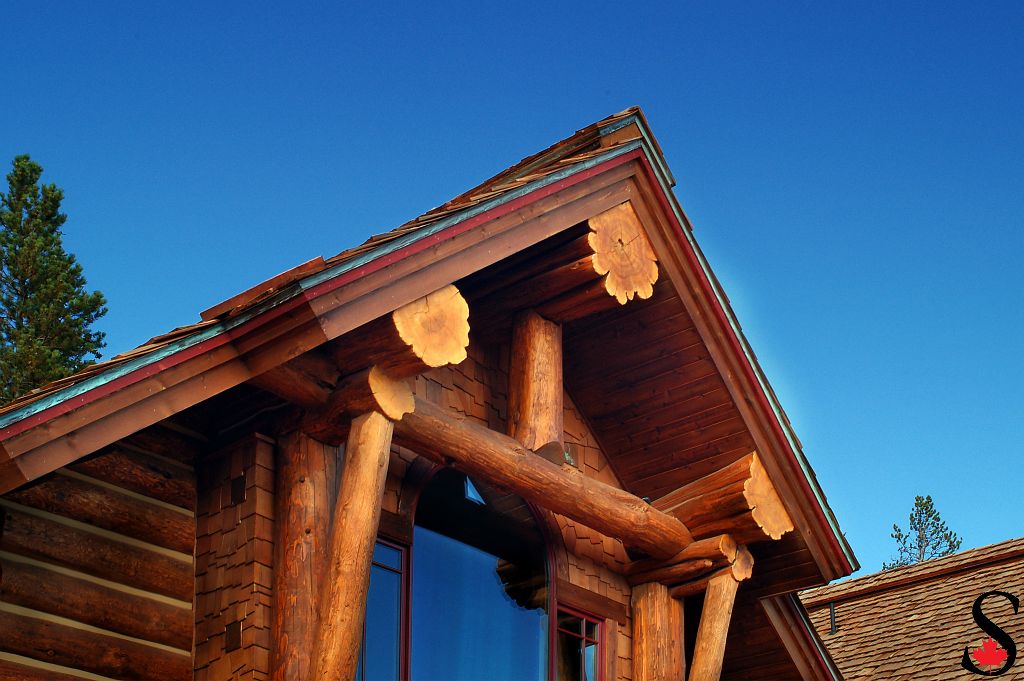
(479, 588)
(578, 640)
(379, 659)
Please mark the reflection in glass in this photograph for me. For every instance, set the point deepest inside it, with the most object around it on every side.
(382, 634)
(578, 638)
(479, 589)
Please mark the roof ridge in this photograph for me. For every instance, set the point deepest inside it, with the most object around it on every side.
(910, 575)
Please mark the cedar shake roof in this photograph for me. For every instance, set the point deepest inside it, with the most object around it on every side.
(914, 622)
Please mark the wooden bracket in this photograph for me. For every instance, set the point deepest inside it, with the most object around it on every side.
(738, 500)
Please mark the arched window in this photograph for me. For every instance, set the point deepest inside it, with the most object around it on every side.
(469, 599)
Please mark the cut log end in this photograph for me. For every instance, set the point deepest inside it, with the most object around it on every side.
(371, 390)
(394, 397)
(738, 499)
(436, 327)
(768, 510)
(623, 254)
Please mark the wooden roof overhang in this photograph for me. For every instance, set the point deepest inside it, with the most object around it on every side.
(600, 167)
(776, 640)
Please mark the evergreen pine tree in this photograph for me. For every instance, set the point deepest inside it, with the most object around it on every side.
(45, 310)
(927, 536)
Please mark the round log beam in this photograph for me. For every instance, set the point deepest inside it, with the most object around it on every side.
(429, 332)
(450, 438)
(738, 500)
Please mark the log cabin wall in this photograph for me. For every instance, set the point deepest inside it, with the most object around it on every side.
(234, 562)
(96, 566)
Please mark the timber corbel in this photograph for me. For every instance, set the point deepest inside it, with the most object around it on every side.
(740, 569)
(699, 558)
(738, 500)
(370, 390)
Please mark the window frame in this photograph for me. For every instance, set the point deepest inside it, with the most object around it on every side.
(404, 572)
(557, 608)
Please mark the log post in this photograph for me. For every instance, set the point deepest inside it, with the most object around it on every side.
(306, 473)
(738, 500)
(353, 533)
(709, 651)
(535, 406)
(657, 635)
(478, 451)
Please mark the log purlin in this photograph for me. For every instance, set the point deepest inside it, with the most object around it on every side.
(96, 572)
(438, 434)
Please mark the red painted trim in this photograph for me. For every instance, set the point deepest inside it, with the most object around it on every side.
(377, 264)
(142, 373)
(809, 636)
(747, 367)
(588, 617)
(466, 225)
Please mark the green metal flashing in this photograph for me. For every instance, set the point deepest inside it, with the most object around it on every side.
(471, 212)
(301, 286)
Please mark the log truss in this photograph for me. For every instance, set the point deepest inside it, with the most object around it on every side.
(691, 541)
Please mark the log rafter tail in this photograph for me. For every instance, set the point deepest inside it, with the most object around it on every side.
(738, 499)
(623, 253)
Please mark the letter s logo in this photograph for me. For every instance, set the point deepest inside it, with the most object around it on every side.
(993, 630)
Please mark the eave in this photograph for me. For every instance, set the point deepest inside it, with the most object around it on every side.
(43, 434)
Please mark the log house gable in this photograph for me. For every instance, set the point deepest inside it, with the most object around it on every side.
(282, 325)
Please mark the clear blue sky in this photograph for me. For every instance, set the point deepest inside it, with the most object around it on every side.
(854, 173)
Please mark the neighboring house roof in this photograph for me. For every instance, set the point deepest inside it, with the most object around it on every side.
(323, 299)
(914, 622)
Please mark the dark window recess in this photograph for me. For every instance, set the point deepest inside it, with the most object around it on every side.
(380, 658)
(237, 490)
(578, 642)
(232, 637)
(478, 604)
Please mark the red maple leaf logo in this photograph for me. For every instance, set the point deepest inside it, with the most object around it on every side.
(990, 654)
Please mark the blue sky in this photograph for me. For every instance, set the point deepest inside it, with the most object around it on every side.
(854, 172)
